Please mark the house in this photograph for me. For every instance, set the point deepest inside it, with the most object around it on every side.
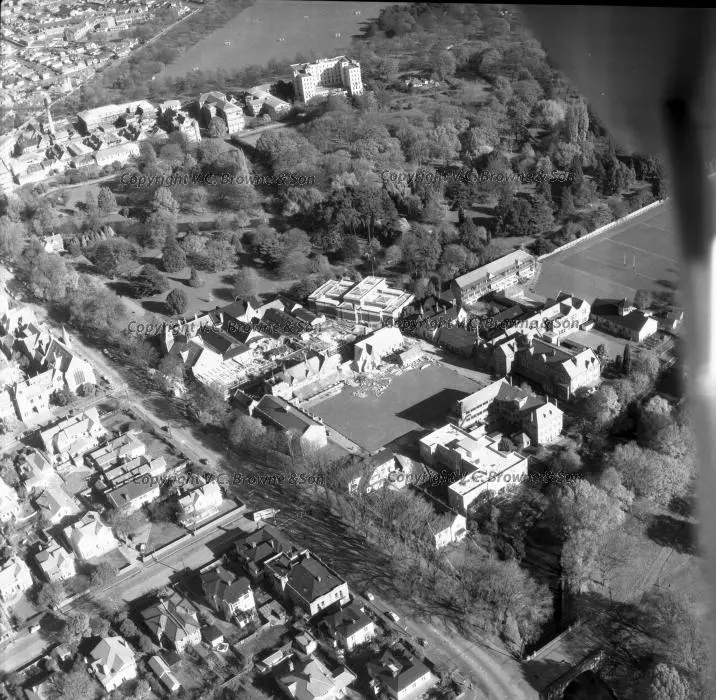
(501, 406)
(75, 371)
(350, 626)
(15, 579)
(560, 369)
(54, 505)
(73, 436)
(671, 321)
(32, 396)
(56, 562)
(212, 635)
(450, 528)
(495, 276)
(112, 663)
(228, 594)
(305, 643)
(9, 503)
(623, 320)
(378, 470)
(201, 502)
(297, 425)
(369, 352)
(37, 473)
(133, 493)
(123, 448)
(307, 582)
(262, 545)
(401, 677)
(54, 244)
(369, 302)
(426, 318)
(89, 537)
(164, 674)
(174, 621)
(476, 461)
(313, 680)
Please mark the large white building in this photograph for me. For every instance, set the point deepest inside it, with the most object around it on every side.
(92, 118)
(15, 579)
(90, 537)
(370, 302)
(496, 276)
(326, 75)
(474, 457)
(369, 352)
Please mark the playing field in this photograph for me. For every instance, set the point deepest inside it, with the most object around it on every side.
(639, 254)
(417, 400)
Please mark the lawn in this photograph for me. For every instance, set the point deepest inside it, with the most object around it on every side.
(414, 401)
(597, 267)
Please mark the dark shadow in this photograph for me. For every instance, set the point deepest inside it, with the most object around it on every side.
(668, 284)
(588, 686)
(122, 287)
(156, 307)
(85, 268)
(223, 293)
(678, 534)
(432, 411)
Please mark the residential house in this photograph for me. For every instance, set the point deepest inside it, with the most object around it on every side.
(559, 369)
(623, 320)
(401, 677)
(369, 302)
(89, 537)
(298, 426)
(174, 621)
(54, 505)
(32, 396)
(476, 461)
(123, 448)
(495, 276)
(73, 436)
(54, 243)
(164, 674)
(307, 582)
(369, 352)
(313, 680)
(262, 545)
(112, 662)
(228, 594)
(376, 471)
(201, 503)
(37, 473)
(56, 562)
(75, 371)
(350, 626)
(501, 406)
(134, 493)
(15, 580)
(9, 503)
(449, 529)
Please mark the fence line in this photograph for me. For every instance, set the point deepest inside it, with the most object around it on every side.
(602, 229)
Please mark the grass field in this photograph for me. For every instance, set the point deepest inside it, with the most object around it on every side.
(596, 268)
(254, 34)
(414, 401)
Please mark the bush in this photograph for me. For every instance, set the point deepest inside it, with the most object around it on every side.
(177, 301)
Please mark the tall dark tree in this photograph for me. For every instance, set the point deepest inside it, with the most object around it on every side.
(626, 360)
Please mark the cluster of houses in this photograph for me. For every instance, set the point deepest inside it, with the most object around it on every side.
(34, 365)
(50, 46)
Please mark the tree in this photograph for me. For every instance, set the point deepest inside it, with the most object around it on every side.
(218, 254)
(61, 397)
(173, 257)
(75, 685)
(245, 430)
(668, 684)
(113, 256)
(421, 250)
(217, 128)
(603, 406)
(445, 65)
(194, 279)
(643, 299)
(351, 248)
(51, 595)
(149, 282)
(646, 363)
(177, 301)
(103, 574)
(106, 201)
(626, 360)
(294, 265)
(246, 283)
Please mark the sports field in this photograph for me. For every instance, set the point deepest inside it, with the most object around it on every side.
(416, 400)
(639, 254)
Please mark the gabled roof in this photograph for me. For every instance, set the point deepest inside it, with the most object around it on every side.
(224, 585)
(311, 579)
(111, 655)
(174, 618)
(348, 620)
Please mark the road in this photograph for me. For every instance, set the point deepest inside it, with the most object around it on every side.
(496, 673)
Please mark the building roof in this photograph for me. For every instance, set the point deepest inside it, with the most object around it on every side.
(348, 620)
(174, 618)
(493, 268)
(284, 414)
(224, 585)
(258, 546)
(312, 679)
(311, 579)
(111, 655)
(397, 674)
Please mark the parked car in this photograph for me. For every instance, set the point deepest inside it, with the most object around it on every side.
(370, 596)
(392, 616)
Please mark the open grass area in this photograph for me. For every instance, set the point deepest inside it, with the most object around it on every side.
(254, 34)
(597, 269)
(414, 401)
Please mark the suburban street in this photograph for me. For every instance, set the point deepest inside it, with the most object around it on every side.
(492, 671)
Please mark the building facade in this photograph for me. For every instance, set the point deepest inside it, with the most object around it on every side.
(321, 77)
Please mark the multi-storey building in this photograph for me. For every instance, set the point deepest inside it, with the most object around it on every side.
(90, 119)
(321, 77)
(496, 276)
(503, 406)
(174, 621)
(370, 302)
(477, 461)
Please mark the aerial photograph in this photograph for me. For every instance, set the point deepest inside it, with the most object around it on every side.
(345, 353)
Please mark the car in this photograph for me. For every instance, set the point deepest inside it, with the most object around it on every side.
(34, 628)
(423, 642)
(370, 596)
(392, 616)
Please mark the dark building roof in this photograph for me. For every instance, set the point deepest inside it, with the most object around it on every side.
(283, 414)
(348, 621)
(311, 579)
(256, 547)
(223, 585)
